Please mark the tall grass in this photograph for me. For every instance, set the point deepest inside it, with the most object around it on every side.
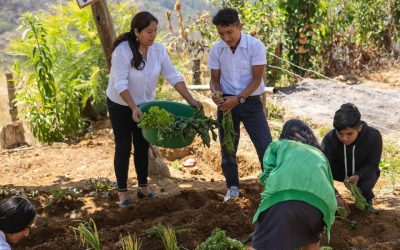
(390, 162)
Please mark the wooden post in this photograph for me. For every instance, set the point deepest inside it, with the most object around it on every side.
(105, 28)
(196, 71)
(11, 96)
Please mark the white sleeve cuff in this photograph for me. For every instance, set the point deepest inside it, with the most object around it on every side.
(121, 86)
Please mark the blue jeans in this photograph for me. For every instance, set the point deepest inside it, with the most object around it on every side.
(251, 113)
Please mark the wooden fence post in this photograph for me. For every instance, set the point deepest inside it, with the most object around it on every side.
(11, 96)
(105, 28)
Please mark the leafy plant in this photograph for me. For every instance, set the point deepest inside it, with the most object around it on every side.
(127, 243)
(229, 136)
(169, 126)
(219, 241)
(62, 195)
(156, 230)
(101, 185)
(60, 66)
(88, 234)
(361, 202)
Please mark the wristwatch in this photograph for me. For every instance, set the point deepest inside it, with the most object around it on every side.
(241, 99)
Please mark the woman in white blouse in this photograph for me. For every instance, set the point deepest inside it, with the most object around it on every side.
(136, 64)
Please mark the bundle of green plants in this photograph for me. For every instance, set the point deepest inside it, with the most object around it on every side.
(219, 241)
(361, 202)
(88, 234)
(228, 140)
(229, 137)
(168, 125)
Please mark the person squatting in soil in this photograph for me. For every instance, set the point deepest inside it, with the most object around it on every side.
(298, 198)
(136, 64)
(237, 65)
(16, 217)
(354, 151)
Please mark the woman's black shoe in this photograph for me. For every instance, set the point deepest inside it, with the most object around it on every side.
(141, 195)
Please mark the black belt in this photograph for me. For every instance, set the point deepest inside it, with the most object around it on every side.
(252, 97)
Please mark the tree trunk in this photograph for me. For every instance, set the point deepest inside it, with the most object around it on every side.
(11, 96)
(105, 28)
(12, 135)
(196, 72)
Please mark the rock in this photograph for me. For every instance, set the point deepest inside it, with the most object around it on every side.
(189, 162)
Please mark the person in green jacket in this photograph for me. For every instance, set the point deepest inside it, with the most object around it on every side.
(299, 197)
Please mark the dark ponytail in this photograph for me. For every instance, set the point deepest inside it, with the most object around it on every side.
(140, 21)
(297, 130)
(16, 214)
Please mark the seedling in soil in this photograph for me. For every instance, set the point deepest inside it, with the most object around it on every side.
(5, 191)
(88, 234)
(156, 231)
(101, 185)
(62, 195)
(127, 243)
(351, 223)
(342, 212)
(169, 239)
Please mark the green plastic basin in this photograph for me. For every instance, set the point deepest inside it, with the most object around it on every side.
(175, 108)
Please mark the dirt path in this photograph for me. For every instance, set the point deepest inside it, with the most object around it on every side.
(319, 99)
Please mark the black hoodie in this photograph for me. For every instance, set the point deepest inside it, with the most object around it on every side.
(366, 150)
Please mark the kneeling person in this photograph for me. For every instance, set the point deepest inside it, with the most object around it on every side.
(354, 151)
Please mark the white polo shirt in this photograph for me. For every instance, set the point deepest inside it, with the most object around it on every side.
(3, 243)
(140, 83)
(236, 69)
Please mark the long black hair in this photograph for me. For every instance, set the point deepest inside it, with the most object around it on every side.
(140, 21)
(16, 214)
(297, 130)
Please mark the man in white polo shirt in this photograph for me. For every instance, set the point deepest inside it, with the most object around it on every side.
(237, 65)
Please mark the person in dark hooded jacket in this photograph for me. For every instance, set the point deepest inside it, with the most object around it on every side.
(354, 151)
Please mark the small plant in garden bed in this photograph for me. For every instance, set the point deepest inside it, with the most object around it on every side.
(100, 185)
(88, 234)
(62, 195)
(219, 241)
(155, 231)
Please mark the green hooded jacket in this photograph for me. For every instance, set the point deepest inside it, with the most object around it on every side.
(297, 171)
